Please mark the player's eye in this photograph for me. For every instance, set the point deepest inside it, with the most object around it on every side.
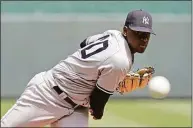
(142, 35)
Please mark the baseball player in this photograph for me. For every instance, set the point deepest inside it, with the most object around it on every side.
(83, 82)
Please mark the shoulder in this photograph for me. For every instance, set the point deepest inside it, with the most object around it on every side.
(113, 32)
(109, 34)
(118, 62)
(116, 36)
(118, 57)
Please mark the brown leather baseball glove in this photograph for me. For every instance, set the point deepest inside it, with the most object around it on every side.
(134, 80)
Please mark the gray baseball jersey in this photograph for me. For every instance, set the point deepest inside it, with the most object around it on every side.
(103, 62)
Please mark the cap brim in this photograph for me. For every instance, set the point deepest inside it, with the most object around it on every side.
(142, 29)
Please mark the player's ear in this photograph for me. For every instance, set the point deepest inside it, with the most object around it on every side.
(125, 30)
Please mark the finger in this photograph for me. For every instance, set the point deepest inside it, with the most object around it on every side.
(136, 81)
(144, 80)
(122, 87)
(128, 84)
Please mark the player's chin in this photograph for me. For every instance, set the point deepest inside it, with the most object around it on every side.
(141, 50)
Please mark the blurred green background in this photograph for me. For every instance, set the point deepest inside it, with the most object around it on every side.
(27, 27)
(176, 7)
(137, 113)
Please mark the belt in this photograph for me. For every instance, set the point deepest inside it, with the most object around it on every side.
(67, 99)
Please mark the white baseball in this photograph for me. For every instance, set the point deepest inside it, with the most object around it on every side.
(159, 87)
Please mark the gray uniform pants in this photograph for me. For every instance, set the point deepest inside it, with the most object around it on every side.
(40, 105)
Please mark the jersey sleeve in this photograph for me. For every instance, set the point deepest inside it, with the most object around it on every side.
(111, 73)
(92, 39)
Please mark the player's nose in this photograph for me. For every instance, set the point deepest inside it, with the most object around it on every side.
(144, 41)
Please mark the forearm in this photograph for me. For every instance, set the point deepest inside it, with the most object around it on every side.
(98, 100)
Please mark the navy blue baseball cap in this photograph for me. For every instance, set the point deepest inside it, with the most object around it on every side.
(139, 20)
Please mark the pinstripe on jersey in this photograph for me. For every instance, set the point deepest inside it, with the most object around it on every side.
(103, 60)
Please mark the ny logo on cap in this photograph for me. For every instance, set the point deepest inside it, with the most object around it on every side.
(145, 20)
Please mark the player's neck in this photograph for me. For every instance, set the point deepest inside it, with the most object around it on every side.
(131, 49)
